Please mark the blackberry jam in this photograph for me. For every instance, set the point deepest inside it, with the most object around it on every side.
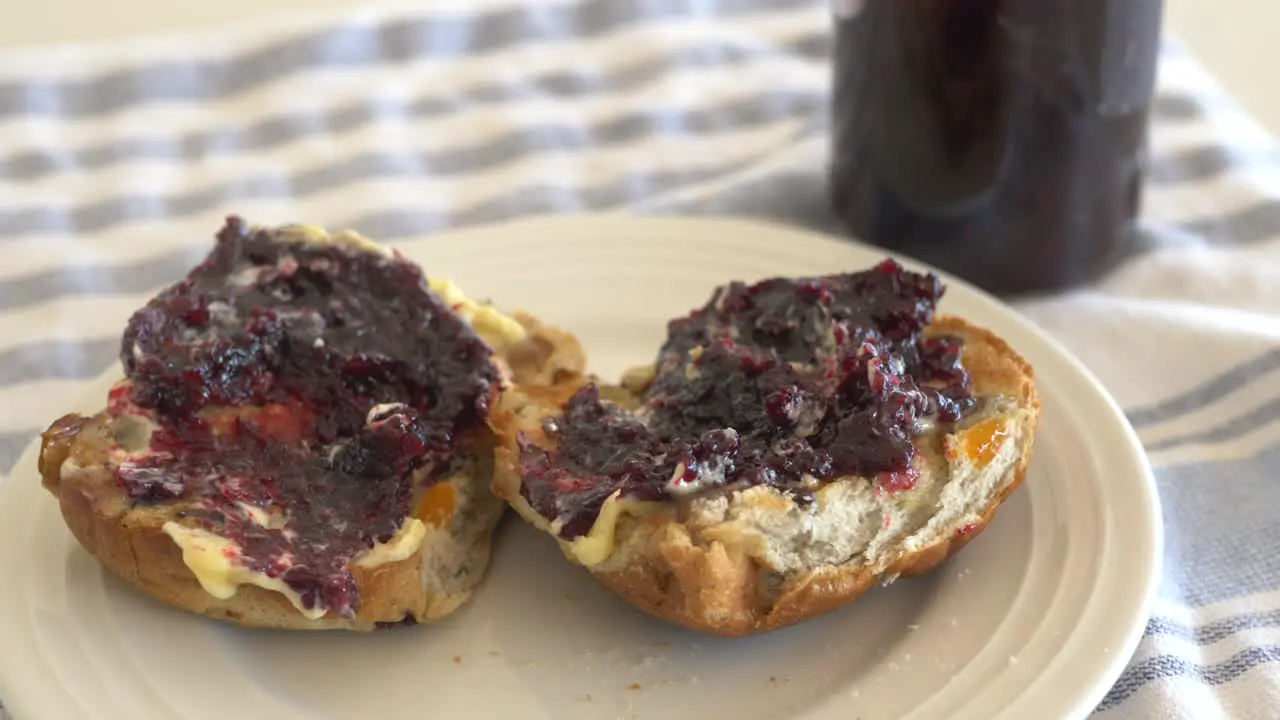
(300, 391)
(1000, 140)
(786, 383)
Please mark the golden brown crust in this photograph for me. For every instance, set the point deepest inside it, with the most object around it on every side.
(547, 356)
(995, 367)
(716, 587)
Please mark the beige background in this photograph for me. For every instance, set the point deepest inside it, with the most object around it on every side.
(1234, 38)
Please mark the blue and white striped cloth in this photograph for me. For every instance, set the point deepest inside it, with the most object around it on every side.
(116, 162)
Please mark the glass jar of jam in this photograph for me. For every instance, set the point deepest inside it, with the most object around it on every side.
(1001, 140)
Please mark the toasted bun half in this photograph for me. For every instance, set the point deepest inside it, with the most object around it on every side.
(426, 571)
(741, 562)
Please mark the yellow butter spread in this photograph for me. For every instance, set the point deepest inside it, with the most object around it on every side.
(597, 545)
(316, 234)
(495, 327)
(403, 544)
(262, 518)
(215, 561)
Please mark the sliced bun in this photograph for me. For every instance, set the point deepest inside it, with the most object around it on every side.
(425, 572)
(740, 562)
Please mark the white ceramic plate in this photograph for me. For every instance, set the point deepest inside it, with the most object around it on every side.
(1036, 618)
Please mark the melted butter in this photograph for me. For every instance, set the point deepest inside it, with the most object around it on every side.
(402, 545)
(496, 328)
(435, 509)
(597, 545)
(317, 234)
(214, 560)
(263, 518)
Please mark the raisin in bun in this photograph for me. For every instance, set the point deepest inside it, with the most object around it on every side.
(301, 438)
(794, 442)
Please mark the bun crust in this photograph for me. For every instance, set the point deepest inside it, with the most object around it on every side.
(737, 565)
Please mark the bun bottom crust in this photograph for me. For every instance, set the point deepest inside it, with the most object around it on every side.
(712, 591)
(129, 541)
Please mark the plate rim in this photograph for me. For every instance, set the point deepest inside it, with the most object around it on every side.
(1104, 674)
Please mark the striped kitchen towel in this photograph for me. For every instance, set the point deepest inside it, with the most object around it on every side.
(117, 161)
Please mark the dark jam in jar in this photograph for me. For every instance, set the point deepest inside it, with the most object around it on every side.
(1001, 140)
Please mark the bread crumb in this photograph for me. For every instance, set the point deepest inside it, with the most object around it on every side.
(953, 622)
(628, 707)
(588, 698)
(457, 659)
(913, 627)
(494, 653)
(1013, 659)
(691, 680)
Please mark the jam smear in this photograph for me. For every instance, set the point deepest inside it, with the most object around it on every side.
(299, 388)
(784, 383)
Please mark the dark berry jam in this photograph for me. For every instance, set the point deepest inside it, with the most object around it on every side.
(309, 381)
(784, 383)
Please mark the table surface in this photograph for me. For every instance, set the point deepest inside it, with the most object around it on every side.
(1230, 37)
